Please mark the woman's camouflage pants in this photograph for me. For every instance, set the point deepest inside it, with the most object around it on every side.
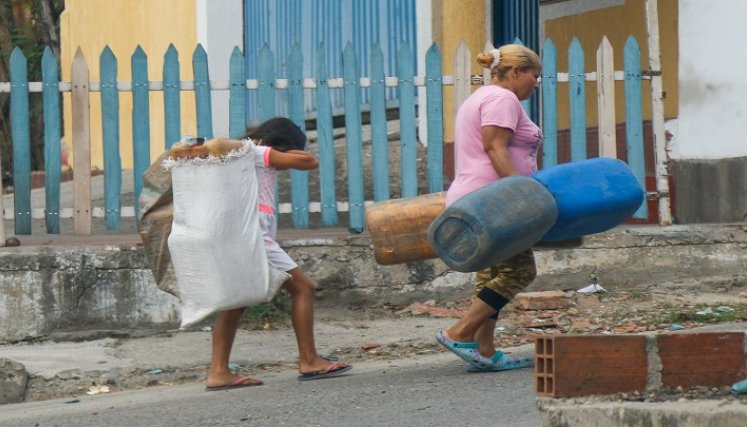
(509, 277)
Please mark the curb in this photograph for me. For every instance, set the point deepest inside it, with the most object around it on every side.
(683, 413)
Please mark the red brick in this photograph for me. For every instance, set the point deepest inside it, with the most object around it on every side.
(582, 365)
(547, 300)
(710, 359)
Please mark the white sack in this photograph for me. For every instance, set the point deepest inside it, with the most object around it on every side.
(216, 244)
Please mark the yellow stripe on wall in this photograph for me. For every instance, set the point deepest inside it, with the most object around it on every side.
(617, 23)
(123, 25)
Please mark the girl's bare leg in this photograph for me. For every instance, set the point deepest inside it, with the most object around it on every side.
(302, 289)
(224, 331)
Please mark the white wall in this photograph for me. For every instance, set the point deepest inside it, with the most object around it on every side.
(220, 27)
(712, 121)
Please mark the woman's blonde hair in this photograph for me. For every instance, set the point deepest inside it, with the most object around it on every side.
(500, 61)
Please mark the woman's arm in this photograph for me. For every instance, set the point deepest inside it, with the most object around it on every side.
(293, 159)
(495, 142)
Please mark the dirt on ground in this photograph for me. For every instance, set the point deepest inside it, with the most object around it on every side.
(603, 313)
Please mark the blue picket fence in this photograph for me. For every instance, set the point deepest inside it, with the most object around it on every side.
(266, 88)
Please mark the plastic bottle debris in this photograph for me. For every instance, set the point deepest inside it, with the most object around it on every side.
(676, 327)
(591, 289)
(154, 371)
(724, 309)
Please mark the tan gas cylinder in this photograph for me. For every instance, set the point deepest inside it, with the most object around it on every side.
(399, 227)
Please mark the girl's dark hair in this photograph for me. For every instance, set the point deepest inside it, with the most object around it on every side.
(279, 133)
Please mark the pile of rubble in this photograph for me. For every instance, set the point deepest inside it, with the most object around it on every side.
(594, 311)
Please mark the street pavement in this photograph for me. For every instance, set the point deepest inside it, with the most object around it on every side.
(431, 390)
(406, 379)
(156, 379)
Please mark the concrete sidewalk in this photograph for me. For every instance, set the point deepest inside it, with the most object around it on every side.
(137, 359)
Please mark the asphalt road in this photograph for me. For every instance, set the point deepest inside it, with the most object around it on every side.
(428, 391)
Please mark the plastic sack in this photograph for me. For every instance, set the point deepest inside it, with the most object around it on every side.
(154, 224)
(216, 244)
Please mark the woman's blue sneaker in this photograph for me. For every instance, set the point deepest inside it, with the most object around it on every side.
(501, 362)
(466, 351)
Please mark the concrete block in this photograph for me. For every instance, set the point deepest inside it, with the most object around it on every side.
(582, 365)
(710, 359)
(546, 300)
(70, 289)
(13, 379)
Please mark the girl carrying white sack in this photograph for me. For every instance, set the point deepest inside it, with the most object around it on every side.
(223, 212)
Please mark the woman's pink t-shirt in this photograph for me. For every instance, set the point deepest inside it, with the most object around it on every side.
(490, 106)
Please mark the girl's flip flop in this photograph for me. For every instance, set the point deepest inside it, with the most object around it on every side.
(240, 382)
(334, 370)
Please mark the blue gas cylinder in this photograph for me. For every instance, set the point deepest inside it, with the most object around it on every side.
(592, 196)
(493, 223)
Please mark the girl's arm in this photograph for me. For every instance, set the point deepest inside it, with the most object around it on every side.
(293, 159)
(495, 142)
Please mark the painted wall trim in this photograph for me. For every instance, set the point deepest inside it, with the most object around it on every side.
(574, 7)
(559, 9)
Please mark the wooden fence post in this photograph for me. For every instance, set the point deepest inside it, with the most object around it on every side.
(52, 132)
(171, 97)
(550, 104)
(19, 121)
(434, 105)
(237, 96)
(140, 121)
(462, 77)
(606, 99)
(81, 146)
(351, 77)
(326, 144)
(203, 102)
(577, 95)
(408, 139)
(266, 92)
(660, 143)
(379, 137)
(110, 127)
(299, 179)
(634, 117)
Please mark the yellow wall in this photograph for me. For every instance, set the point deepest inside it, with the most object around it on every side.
(123, 25)
(617, 23)
(456, 21)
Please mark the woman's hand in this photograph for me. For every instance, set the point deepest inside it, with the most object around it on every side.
(495, 143)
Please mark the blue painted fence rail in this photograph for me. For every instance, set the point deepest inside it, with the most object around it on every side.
(321, 87)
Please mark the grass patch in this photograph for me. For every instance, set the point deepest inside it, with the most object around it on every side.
(669, 313)
(267, 316)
